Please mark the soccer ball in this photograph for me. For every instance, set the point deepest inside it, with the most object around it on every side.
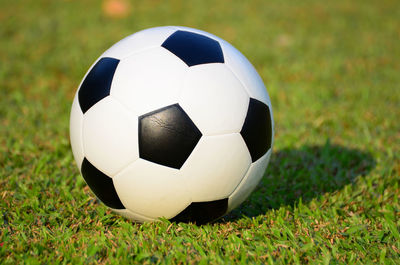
(172, 122)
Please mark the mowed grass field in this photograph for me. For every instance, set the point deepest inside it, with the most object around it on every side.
(330, 194)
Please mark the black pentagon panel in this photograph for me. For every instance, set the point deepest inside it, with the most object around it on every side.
(97, 83)
(193, 48)
(167, 136)
(257, 129)
(202, 212)
(101, 185)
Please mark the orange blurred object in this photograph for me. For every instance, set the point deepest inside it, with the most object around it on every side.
(116, 8)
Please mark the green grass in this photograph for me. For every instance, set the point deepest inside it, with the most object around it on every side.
(331, 191)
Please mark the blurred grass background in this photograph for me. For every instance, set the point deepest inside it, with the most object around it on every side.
(330, 193)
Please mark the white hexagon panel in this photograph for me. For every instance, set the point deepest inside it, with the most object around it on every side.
(110, 136)
(216, 166)
(214, 98)
(152, 190)
(148, 80)
(172, 122)
(246, 72)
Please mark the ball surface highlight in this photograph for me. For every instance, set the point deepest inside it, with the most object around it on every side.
(172, 122)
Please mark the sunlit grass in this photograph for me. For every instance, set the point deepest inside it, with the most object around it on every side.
(331, 191)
